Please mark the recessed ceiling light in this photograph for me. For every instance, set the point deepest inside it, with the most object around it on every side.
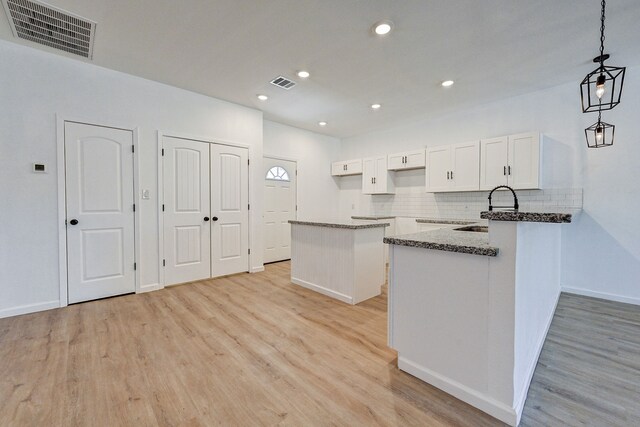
(376, 106)
(322, 123)
(447, 83)
(382, 28)
(263, 97)
(303, 74)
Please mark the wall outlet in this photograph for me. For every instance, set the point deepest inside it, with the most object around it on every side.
(39, 168)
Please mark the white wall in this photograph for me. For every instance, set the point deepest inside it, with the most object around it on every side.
(318, 191)
(36, 86)
(601, 249)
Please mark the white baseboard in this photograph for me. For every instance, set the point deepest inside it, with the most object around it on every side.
(473, 397)
(532, 367)
(601, 295)
(322, 290)
(149, 287)
(256, 269)
(29, 308)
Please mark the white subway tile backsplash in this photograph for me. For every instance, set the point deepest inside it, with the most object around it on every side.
(409, 202)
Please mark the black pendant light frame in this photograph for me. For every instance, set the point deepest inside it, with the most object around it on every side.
(607, 134)
(610, 81)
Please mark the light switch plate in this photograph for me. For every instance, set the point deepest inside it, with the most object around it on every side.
(145, 195)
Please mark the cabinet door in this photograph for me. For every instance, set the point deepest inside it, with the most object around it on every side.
(353, 167)
(368, 174)
(381, 175)
(414, 159)
(438, 168)
(465, 170)
(524, 161)
(396, 161)
(493, 162)
(337, 168)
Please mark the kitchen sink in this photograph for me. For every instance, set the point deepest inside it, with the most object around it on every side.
(474, 228)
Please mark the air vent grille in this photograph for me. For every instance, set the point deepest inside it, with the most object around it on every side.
(283, 82)
(44, 24)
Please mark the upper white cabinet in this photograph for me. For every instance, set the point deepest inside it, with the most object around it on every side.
(512, 160)
(346, 167)
(453, 167)
(376, 178)
(406, 160)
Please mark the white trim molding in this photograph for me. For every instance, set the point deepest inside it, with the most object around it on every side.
(481, 401)
(601, 295)
(29, 308)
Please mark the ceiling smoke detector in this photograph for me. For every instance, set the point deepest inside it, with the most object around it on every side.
(283, 82)
(50, 26)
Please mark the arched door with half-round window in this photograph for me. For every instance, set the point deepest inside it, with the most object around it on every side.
(279, 207)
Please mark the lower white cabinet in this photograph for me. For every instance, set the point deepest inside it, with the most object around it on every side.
(512, 160)
(406, 160)
(346, 167)
(376, 179)
(453, 167)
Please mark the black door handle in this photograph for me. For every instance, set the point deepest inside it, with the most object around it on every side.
(215, 218)
(73, 222)
(206, 218)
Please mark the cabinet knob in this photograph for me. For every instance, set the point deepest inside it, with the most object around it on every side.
(206, 218)
(73, 222)
(215, 218)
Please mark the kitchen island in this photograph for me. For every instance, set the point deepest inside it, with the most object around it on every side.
(469, 310)
(340, 259)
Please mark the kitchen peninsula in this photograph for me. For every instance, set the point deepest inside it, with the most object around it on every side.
(340, 259)
(469, 309)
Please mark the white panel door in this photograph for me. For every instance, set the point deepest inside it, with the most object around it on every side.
(100, 219)
(187, 229)
(438, 169)
(229, 210)
(465, 170)
(524, 161)
(493, 162)
(279, 207)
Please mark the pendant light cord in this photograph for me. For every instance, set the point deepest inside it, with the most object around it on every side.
(602, 34)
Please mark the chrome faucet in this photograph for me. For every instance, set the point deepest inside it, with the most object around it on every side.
(515, 199)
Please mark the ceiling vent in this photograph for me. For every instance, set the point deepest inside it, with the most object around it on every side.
(49, 26)
(283, 82)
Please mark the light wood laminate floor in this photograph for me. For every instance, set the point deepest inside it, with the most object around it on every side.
(257, 350)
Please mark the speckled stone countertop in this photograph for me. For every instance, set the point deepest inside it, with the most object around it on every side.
(447, 239)
(352, 225)
(445, 221)
(550, 217)
(373, 217)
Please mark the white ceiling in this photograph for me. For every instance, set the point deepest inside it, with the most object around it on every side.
(231, 49)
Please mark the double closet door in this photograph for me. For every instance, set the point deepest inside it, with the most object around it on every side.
(206, 210)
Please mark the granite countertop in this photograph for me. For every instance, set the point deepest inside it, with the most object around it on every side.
(447, 239)
(445, 221)
(373, 217)
(352, 225)
(549, 217)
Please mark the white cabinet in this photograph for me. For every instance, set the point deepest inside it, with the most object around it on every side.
(376, 179)
(406, 160)
(453, 167)
(512, 160)
(346, 167)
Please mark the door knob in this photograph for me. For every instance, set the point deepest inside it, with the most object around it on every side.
(73, 222)
(215, 218)
(206, 218)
